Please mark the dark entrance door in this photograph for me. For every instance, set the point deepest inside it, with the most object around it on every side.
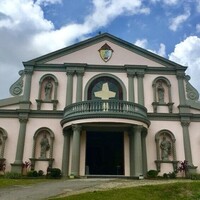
(105, 153)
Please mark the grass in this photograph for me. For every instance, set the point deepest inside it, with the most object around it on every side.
(12, 182)
(175, 191)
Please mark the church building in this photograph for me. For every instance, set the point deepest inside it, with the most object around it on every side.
(101, 107)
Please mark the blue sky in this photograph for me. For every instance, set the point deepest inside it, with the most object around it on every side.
(28, 29)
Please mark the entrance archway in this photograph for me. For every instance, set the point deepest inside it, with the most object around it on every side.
(105, 153)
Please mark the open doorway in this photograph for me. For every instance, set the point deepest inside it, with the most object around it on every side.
(105, 153)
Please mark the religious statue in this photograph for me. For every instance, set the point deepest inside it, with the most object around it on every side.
(165, 146)
(44, 143)
(161, 91)
(48, 90)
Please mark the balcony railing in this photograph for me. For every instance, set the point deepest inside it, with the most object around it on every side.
(105, 108)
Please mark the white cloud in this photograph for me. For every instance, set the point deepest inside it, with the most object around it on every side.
(167, 2)
(143, 43)
(47, 2)
(187, 53)
(198, 5)
(198, 28)
(177, 21)
(25, 33)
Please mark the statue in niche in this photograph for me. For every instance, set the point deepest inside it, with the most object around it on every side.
(161, 92)
(48, 90)
(44, 143)
(165, 146)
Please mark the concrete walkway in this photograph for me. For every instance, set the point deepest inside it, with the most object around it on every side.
(68, 187)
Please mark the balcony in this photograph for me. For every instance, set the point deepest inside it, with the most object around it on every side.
(105, 109)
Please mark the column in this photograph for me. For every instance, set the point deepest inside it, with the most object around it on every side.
(131, 92)
(75, 150)
(144, 152)
(66, 149)
(69, 91)
(131, 144)
(17, 165)
(186, 139)
(138, 150)
(79, 89)
(140, 76)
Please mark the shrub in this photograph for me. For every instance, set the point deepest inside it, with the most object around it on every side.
(40, 173)
(12, 175)
(55, 173)
(170, 175)
(32, 173)
(195, 176)
(152, 174)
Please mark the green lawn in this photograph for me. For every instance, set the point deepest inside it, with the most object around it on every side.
(11, 182)
(174, 191)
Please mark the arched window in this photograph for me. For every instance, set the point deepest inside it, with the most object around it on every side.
(107, 84)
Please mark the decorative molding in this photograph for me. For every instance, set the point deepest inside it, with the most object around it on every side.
(192, 93)
(180, 74)
(23, 117)
(17, 88)
(185, 123)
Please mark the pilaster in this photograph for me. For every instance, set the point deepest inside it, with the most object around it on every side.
(69, 92)
(183, 108)
(16, 166)
(140, 76)
(25, 103)
(130, 75)
(185, 122)
(79, 90)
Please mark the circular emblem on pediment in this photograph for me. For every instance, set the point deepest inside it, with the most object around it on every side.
(105, 52)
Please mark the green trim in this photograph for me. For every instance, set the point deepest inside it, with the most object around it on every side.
(97, 39)
(107, 75)
(106, 68)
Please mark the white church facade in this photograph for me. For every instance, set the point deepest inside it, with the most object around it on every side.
(101, 107)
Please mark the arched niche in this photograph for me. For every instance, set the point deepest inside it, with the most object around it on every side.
(165, 148)
(48, 86)
(106, 78)
(38, 138)
(162, 93)
(3, 138)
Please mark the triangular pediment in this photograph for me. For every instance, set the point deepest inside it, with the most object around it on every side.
(90, 52)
